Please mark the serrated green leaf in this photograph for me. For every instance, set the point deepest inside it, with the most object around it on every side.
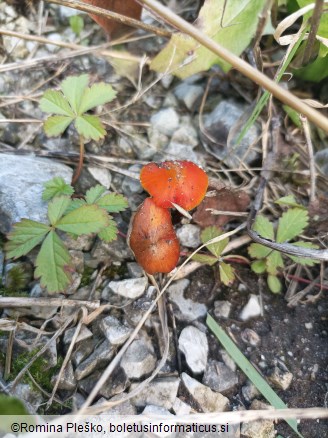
(54, 102)
(56, 125)
(289, 201)
(74, 204)
(9, 407)
(258, 266)
(227, 273)
(93, 194)
(52, 264)
(274, 284)
(90, 127)
(97, 94)
(258, 251)
(57, 208)
(113, 202)
(109, 233)
(77, 24)
(56, 187)
(205, 259)
(210, 233)
(304, 260)
(273, 262)
(232, 24)
(25, 235)
(291, 224)
(87, 219)
(264, 227)
(73, 88)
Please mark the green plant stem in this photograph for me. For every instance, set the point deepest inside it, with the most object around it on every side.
(243, 67)
(315, 21)
(80, 164)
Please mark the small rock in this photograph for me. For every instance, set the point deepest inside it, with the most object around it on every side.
(78, 401)
(22, 185)
(81, 243)
(31, 398)
(134, 270)
(166, 121)
(114, 331)
(131, 186)
(83, 350)
(77, 260)
(160, 392)
(222, 309)
(208, 400)
(261, 428)
(321, 159)
(189, 94)
(84, 334)
(135, 311)
(219, 377)
(249, 392)
(138, 360)
(193, 344)
(116, 384)
(67, 381)
(101, 175)
(189, 235)
(99, 357)
(180, 407)
(280, 377)
(228, 360)
(131, 288)
(118, 250)
(188, 310)
(42, 312)
(158, 410)
(123, 408)
(252, 308)
(250, 337)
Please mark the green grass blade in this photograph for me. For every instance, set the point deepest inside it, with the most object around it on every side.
(253, 375)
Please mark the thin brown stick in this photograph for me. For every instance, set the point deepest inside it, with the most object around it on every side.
(315, 21)
(243, 67)
(75, 4)
(79, 168)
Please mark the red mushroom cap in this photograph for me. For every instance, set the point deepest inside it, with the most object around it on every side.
(152, 238)
(179, 182)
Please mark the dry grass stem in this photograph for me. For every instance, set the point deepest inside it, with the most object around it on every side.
(45, 302)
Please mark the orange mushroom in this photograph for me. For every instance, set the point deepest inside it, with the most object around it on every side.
(152, 238)
(175, 182)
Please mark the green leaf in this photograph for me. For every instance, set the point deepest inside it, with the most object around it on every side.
(73, 88)
(77, 24)
(56, 187)
(274, 284)
(227, 273)
(210, 233)
(90, 127)
(84, 220)
(293, 115)
(263, 227)
(25, 235)
(109, 233)
(259, 266)
(232, 24)
(57, 208)
(56, 125)
(273, 262)
(113, 202)
(74, 204)
(258, 251)
(93, 194)
(55, 103)
(97, 94)
(205, 259)
(10, 406)
(248, 369)
(52, 264)
(289, 201)
(291, 224)
(304, 260)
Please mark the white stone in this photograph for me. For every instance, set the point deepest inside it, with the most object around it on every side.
(159, 392)
(188, 310)
(252, 308)
(165, 121)
(131, 288)
(101, 175)
(114, 331)
(138, 360)
(189, 235)
(193, 344)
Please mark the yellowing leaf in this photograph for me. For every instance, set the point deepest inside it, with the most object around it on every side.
(56, 125)
(259, 266)
(57, 208)
(90, 127)
(203, 258)
(73, 88)
(274, 284)
(97, 94)
(291, 224)
(24, 237)
(52, 264)
(227, 275)
(54, 102)
(273, 262)
(289, 201)
(230, 23)
(84, 220)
